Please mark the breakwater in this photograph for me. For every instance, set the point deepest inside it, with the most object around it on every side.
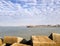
(41, 40)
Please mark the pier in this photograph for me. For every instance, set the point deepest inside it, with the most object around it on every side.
(52, 40)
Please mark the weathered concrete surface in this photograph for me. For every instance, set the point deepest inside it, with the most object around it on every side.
(56, 38)
(12, 39)
(17, 44)
(42, 41)
(1, 42)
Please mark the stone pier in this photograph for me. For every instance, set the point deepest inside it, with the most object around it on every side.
(19, 44)
(52, 40)
(12, 39)
(56, 38)
(42, 41)
(1, 42)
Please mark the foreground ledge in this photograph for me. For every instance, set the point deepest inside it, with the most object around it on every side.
(56, 38)
(1, 42)
(12, 39)
(42, 41)
(18, 44)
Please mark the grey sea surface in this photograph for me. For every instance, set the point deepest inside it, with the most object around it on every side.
(26, 33)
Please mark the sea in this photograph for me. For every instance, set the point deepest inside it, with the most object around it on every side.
(26, 33)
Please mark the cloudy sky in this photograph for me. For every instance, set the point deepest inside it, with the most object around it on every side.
(29, 12)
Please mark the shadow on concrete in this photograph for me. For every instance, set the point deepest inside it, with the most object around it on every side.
(8, 44)
(29, 42)
(51, 36)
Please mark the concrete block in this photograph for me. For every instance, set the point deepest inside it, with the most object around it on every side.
(56, 38)
(42, 41)
(12, 39)
(17, 44)
(1, 42)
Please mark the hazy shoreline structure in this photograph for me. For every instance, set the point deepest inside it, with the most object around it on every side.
(31, 26)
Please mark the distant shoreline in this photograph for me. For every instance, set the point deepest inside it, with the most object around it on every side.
(31, 26)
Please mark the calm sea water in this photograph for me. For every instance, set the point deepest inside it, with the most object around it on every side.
(27, 32)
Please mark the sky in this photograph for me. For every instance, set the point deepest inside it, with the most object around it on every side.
(29, 12)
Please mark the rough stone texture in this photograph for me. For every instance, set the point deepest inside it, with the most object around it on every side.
(56, 38)
(17, 44)
(42, 41)
(12, 39)
(1, 42)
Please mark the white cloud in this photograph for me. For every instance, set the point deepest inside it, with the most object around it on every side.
(32, 12)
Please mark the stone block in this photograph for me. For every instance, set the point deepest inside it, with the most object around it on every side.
(42, 41)
(1, 42)
(56, 38)
(12, 39)
(18, 44)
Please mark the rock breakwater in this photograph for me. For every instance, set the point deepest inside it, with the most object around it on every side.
(52, 40)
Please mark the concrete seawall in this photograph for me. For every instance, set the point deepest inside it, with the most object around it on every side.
(52, 40)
